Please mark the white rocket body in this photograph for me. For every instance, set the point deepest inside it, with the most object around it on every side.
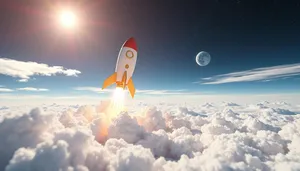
(124, 67)
(127, 57)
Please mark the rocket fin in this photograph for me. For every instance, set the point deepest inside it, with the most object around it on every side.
(131, 88)
(110, 80)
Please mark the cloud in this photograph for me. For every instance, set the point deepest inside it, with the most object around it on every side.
(32, 89)
(229, 104)
(164, 137)
(93, 89)
(69, 149)
(25, 70)
(266, 73)
(152, 120)
(25, 130)
(23, 89)
(132, 158)
(149, 92)
(201, 99)
(163, 92)
(127, 128)
(23, 80)
(2, 89)
(5, 90)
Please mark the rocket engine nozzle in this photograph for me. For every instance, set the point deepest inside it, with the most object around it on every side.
(121, 84)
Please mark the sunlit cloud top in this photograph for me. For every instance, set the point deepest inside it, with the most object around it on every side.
(25, 70)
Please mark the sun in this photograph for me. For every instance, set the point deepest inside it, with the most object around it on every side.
(68, 19)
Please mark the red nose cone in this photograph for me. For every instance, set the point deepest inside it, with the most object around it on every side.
(131, 43)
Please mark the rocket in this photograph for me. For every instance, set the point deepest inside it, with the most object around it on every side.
(124, 67)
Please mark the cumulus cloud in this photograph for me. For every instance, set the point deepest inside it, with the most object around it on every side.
(32, 89)
(266, 73)
(25, 130)
(132, 158)
(152, 120)
(127, 128)
(280, 111)
(229, 104)
(4, 108)
(80, 138)
(69, 149)
(6, 90)
(207, 105)
(158, 142)
(25, 70)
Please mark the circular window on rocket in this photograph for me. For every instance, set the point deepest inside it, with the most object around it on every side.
(129, 54)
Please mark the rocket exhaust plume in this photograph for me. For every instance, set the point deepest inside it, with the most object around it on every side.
(115, 106)
(118, 100)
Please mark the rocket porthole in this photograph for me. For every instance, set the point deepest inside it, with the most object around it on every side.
(126, 66)
(129, 54)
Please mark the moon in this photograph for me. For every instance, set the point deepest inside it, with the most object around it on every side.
(203, 58)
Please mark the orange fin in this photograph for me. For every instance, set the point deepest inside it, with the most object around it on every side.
(131, 88)
(110, 80)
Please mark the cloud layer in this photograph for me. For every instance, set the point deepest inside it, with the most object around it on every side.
(6, 90)
(25, 70)
(167, 137)
(266, 73)
(2, 89)
(32, 89)
(150, 92)
(93, 89)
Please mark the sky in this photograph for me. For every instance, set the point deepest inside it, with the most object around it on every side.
(254, 47)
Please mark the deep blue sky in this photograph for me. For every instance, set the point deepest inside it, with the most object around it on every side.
(239, 35)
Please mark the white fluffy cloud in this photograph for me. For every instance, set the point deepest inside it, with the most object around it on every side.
(23, 89)
(79, 138)
(266, 73)
(23, 130)
(32, 89)
(6, 90)
(25, 70)
(3, 89)
(127, 128)
(152, 120)
(69, 149)
(132, 158)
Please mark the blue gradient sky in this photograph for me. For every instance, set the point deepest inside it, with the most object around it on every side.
(239, 36)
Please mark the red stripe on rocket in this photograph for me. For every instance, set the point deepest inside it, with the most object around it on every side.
(124, 68)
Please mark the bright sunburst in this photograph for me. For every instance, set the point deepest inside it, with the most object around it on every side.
(68, 19)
